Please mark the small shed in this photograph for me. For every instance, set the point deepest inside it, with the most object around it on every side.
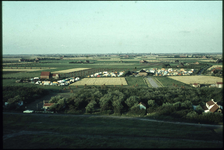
(142, 105)
(55, 76)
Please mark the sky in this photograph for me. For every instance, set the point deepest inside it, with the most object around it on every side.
(91, 27)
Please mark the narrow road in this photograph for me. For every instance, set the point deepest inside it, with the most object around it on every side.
(121, 117)
(152, 82)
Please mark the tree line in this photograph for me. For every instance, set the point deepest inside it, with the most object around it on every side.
(175, 102)
(14, 94)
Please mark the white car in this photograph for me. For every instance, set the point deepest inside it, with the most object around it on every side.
(28, 111)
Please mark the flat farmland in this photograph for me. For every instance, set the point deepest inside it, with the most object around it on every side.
(27, 70)
(78, 58)
(214, 66)
(70, 70)
(197, 79)
(116, 64)
(19, 63)
(208, 60)
(101, 81)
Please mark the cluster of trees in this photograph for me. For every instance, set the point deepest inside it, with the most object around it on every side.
(175, 102)
(14, 94)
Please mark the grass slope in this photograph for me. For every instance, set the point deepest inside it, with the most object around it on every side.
(42, 131)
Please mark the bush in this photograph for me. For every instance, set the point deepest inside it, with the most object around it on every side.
(199, 109)
(132, 100)
(192, 115)
(90, 107)
(180, 113)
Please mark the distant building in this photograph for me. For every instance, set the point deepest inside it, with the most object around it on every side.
(142, 73)
(196, 85)
(55, 76)
(143, 61)
(219, 84)
(47, 105)
(45, 75)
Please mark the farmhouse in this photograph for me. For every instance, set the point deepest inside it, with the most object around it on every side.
(47, 105)
(219, 84)
(196, 63)
(196, 85)
(143, 61)
(45, 75)
(212, 106)
(142, 73)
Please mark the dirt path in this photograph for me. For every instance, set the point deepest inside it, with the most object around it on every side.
(152, 82)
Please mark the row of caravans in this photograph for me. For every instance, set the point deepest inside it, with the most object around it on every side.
(107, 74)
(63, 82)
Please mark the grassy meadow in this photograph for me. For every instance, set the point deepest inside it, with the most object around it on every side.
(42, 131)
(168, 82)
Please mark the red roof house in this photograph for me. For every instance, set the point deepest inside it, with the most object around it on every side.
(196, 85)
(212, 106)
(219, 84)
(47, 105)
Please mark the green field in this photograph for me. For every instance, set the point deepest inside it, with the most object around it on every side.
(168, 82)
(132, 81)
(75, 132)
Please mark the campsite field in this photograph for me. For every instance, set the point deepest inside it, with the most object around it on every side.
(101, 81)
(197, 79)
(70, 70)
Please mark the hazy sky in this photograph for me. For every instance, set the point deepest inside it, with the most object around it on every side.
(110, 27)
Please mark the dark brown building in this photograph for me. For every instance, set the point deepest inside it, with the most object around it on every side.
(45, 75)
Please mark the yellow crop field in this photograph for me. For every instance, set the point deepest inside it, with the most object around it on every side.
(197, 79)
(214, 66)
(101, 81)
(70, 70)
(208, 60)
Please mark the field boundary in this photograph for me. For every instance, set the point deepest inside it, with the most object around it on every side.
(147, 82)
(158, 82)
